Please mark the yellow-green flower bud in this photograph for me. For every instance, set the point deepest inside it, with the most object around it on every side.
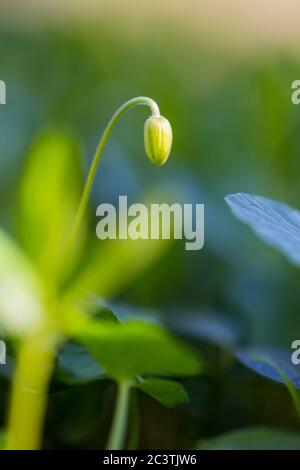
(158, 139)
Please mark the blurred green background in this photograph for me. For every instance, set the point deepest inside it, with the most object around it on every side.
(226, 90)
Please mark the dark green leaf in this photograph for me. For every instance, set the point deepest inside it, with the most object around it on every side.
(101, 313)
(168, 392)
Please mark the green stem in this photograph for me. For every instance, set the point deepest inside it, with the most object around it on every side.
(29, 394)
(140, 100)
(119, 425)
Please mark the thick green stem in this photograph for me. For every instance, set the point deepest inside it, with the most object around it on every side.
(29, 394)
(119, 425)
(141, 100)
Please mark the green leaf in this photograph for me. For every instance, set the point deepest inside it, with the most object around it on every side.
(99, 312)
(21, 291)
(129, 312)
(168, 392)
(131, 349)
(274, 222)
(259, 438)
(49, 194)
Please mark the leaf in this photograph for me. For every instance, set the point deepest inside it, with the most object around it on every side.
(21, 291)
(275, 365)
(75, 365)
(129, 312)
(99, 312)
(252, 358)
(209, 326)
(49, 193)
(168, 392)
(274, 222)
(259, 438)
(131, 349)
(289, 384)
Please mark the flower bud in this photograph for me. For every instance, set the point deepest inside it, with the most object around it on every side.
(158, 139)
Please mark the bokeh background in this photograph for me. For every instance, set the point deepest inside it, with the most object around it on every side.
(221, 71)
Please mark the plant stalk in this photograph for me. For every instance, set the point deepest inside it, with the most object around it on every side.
(118, 431)
(29, 394)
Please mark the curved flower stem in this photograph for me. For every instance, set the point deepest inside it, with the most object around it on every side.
(140, 100)
(117, 435)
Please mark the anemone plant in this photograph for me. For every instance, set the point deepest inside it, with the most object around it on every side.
(49, 272)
